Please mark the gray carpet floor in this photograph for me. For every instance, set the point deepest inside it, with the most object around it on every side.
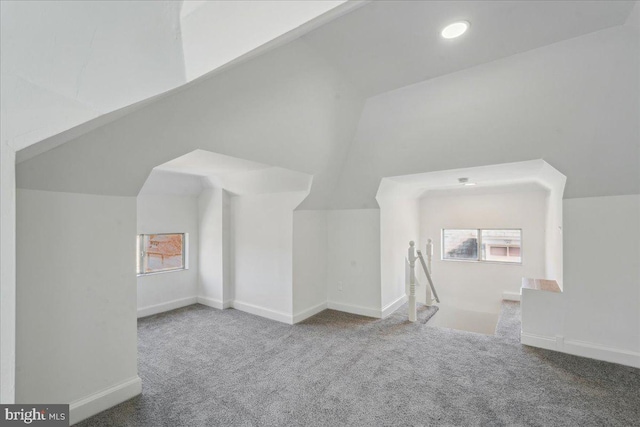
(206, 367)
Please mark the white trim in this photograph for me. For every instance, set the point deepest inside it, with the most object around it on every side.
(165, 306)
(185, 251)
(155, 273)
(354, 309)
(540, 341)
(297, 318)
(95, 403)
(389, 309)
(600, 352)
(215, 303)
(511, 296)
(264, 312)
(583, 349)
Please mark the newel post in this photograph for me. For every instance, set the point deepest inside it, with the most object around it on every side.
(412, 282)
(429, 254)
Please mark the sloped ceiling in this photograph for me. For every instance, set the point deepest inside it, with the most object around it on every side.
(217, 32)
(64, 63)
(287, 109)
(67, 62)
(390, 44)
(572, 103)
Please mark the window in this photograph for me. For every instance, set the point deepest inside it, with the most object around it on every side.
(460, 244)
(485, 245)
(161, 252)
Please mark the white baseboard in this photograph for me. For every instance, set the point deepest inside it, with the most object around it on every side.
(354, 309)
(248, 308)
(540, 341)
(264, 312)
(215, 303)
(95, 403)
(608, 354)
(297, 318)
(165, 306)
(583, 349)
(511, 296)
(390, 308)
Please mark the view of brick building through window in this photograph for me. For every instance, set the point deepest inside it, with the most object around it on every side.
(501, 245)
(493, 245)
(160, 252)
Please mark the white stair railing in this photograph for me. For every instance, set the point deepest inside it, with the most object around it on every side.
(412, 257)
(413, 315)
(429, 253)
(428, 274)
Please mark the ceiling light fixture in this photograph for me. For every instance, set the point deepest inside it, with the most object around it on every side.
(454, 30)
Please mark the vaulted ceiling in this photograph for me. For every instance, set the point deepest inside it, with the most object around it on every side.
(68, 62)
(531, 80)
(390, 44)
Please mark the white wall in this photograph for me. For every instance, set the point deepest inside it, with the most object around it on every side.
(262, 253)
(553, 180)
(353, 261)
(309, 263)
(399, 224)
(479, 286)
(553, 237)
(214, 276)
(7, 273)
(602, 272)
(76, 302)
(168, 214)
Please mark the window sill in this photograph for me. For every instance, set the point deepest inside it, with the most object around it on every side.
(472, 261)
(154, 273)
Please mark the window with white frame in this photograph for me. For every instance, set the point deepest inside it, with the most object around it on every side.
(482, 245)
(158, 253)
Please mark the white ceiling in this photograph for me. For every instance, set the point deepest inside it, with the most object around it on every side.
(389, 44)
(529, 175)
(188, 175)
(217, 32)
(573, 103)
(64, 63)
(516, 187)
(206, 163)
(166, 183)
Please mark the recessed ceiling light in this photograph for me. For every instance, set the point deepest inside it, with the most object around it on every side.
(454, 30)
(465, 181)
